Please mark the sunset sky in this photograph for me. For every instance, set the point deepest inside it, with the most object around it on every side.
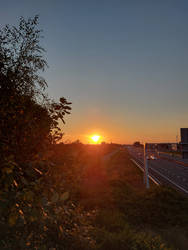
(122, 63)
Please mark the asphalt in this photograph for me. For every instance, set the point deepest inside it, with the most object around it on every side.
(163, 171)
(178, 160)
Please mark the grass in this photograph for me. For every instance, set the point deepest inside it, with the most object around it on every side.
(122, 213)
(128, 216)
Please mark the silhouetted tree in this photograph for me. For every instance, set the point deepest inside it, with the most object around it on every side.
(28, 119)
(21, 58)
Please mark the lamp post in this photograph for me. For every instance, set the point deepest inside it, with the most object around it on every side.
(146, 178)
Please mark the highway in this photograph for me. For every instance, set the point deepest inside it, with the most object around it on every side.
(161, 170)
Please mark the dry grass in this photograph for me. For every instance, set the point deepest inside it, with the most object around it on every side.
(127, 212)
(127, 216)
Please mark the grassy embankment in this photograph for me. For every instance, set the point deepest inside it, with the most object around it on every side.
(128, 216)
(121, 212)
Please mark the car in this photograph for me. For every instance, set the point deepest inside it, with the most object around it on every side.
(151, 157)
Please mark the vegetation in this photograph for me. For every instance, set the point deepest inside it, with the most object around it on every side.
(32, 202)
(75, 196)
(134, 218)
(137, 144)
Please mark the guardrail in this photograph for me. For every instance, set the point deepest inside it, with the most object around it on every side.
(163, 176)
(149, 175)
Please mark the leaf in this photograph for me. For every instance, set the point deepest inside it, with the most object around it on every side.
(15, 183)
(64, 196)
(61, 229)
(38, 171)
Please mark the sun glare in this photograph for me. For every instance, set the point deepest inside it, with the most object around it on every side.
(95, 138)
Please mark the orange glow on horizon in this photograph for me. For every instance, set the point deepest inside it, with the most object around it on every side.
(95, 138)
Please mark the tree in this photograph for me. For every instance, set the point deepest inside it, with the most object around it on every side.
(57, 112)
(137, 144)
(32, 197)
(29, 121)
(21, 58)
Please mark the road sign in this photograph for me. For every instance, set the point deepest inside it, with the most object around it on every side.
(184, 142)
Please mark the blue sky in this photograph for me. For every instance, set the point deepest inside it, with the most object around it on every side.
(122, 63)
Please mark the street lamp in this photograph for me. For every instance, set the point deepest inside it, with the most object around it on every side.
(146, 177)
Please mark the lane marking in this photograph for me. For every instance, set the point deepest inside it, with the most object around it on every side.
(152, 178)
(175, 184)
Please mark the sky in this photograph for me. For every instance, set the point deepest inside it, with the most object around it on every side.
(122, 63)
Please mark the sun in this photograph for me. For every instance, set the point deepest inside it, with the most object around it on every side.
(95, 138)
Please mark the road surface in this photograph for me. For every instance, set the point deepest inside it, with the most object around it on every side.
(162, 170)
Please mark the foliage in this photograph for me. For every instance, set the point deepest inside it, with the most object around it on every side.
(21, 58)
(135, 218)
(27, 126)
(128, 239)
(137, 144)
(57, 111)
(37, 211)
(24, 127)
(154, 219)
